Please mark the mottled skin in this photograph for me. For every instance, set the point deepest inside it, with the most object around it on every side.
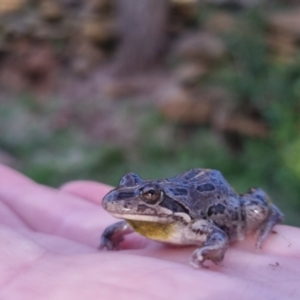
(197, 207)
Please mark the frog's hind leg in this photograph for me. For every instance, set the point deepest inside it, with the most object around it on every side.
(275, 217)
(261, 215)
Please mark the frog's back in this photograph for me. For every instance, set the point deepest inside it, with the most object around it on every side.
(203, 180)
(209, 196)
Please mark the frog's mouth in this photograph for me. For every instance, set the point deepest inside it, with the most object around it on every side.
(146, 218)
(139, 212)
(160, 218)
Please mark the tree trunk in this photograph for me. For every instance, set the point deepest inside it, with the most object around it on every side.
(142, 30)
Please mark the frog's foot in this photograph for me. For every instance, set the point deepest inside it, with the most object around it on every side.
(214, 248)
(274, 218)
(110, 244)
(113, 235)
(201, 254)
(213, 240)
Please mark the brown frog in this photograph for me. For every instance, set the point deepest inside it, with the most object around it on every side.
(197, 207)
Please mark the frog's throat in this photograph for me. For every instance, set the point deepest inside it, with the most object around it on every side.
(164, 232)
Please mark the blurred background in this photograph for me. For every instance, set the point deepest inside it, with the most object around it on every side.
(92, 89)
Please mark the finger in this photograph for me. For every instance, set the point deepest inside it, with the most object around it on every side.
(9, 176)
(9, 218)
(23, 240)
(47, 210)
(89, 190)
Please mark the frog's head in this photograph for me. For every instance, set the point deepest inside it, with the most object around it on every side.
(144, 200)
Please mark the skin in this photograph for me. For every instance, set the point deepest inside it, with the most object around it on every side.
(48, 241)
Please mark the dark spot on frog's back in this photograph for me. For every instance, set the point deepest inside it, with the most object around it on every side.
(207, 187)
(216, 209)
(180, 191)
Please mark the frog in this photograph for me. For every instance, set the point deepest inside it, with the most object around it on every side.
(197, 207)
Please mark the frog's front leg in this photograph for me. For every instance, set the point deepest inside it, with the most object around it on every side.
(113, 235)
(214, 243)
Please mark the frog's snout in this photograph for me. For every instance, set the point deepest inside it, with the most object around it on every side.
(109, 199)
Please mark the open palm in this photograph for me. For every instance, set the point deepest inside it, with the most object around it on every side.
(48, 250)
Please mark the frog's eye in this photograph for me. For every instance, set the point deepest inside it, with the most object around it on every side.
(152, 195)
(130, 179)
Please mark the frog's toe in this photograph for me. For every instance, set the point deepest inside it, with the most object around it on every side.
(258, 245)
(200, 255)
(197, 259)
(105, 243)
(109, 244)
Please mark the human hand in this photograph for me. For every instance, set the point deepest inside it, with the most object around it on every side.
(48, 250)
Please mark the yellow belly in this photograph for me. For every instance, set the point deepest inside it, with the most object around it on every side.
(167, 232)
